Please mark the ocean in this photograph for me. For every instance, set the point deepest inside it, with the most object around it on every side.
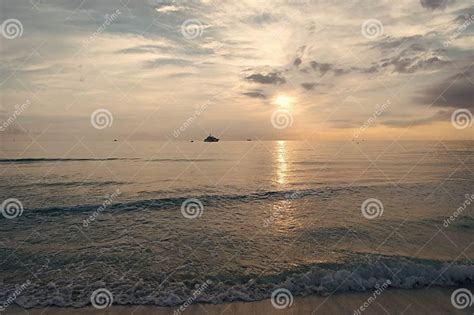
(154, 222)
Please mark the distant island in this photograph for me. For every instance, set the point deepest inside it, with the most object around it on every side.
(211, 138)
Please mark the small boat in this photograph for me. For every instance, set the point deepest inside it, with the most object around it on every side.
(249, 139)
(211, 138)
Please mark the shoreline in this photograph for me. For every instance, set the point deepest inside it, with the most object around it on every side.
(435, 300)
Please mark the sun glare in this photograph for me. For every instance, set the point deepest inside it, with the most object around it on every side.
(283, 101)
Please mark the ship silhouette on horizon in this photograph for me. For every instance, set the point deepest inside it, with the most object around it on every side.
(211, 138)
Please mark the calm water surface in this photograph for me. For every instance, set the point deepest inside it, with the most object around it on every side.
(274, 214)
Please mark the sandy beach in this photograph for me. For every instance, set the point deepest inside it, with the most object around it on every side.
(395, 301)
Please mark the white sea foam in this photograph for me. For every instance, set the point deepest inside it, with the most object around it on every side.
(401, 273)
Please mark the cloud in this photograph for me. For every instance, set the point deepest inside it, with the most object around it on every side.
(465, 16)
(309, 86)
(261, 18)
(343, 123)
(321, 67)
(267, 78)
(181, 75)
(319, 48)
(255, 94)
(435, 4)
(413, 64)
(371, 69)
(413, 54)
(324, 68)
(145, 49)
(388, 43)
(168, 9)
(159, 62)
(439, 116)
(413, 59)
(170, 49)
(456, 91)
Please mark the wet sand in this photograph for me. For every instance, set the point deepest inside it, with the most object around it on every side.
(392, 301)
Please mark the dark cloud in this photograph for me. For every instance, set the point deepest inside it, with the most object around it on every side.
(402, 55)
(408, 45)
(439, 116)
(456, 91)
(372, 69)
(435, 4)
(465, 16)
(324, 68)
(462, 19)
(413, 64)
(340, 71)
(321, 67)
(261, 18)
(309, 86)
(413, 54)
(389, 42)
(267, 78)
(255, 94)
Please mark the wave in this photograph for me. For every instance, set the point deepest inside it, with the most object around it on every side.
(365, 273)
(51, 160)
(73, 184)
(45, 160)
(217, 199)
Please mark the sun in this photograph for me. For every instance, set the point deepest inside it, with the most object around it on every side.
(283, 101)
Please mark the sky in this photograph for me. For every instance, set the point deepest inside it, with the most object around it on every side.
(294, 69)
